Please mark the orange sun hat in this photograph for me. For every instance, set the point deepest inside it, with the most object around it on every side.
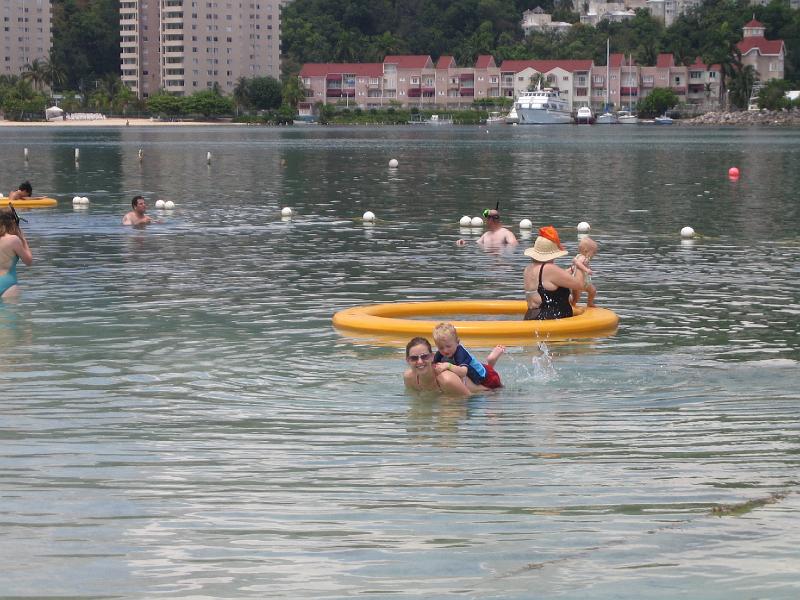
(550, 233)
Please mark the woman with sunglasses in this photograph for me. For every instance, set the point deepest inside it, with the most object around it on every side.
(422, 377)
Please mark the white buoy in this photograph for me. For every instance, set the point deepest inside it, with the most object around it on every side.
(465, 221)
(477, 222)
(525, 224)
(84, 200)
(369, 216)
(160, 203)
(25, 153)
(286, 211)
(169, 205)
(393, 164)
(208, 158)
(76, 199)
(687, 232)
(583, 227)
(77, 154)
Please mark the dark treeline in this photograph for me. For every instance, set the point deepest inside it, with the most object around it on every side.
(368, 30)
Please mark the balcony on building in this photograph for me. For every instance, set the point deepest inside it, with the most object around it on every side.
(679, 89)
(629, 91)
(648, 82)
(697, 88)
(414, 92)
(467, 91)
(598, 81)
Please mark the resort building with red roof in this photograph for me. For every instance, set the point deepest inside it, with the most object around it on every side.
(765, 56)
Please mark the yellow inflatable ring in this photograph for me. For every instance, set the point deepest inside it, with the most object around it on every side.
(29, 202)
(388, 320)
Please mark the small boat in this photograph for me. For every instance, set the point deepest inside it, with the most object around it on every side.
(584, 116)
(511, 117)
(626, 117)
(440, 120)
(29, 202)
(495, 117)
(607, 118)
(663, 120)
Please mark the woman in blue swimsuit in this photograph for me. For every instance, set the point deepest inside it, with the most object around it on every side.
(13, 247)
(547, 286)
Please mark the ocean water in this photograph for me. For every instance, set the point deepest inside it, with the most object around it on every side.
(180, 419)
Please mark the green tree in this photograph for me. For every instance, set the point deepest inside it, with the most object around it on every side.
(240, 93)
(208, 103)
(773, 95)
(657, 102)
(740, 86)
(35, 72)
(293, 92)
(165, 104)
(264, 93)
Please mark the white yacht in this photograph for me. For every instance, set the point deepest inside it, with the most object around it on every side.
(584, 116)
(542, 107)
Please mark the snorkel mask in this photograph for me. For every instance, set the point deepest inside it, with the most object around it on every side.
(14, 214)
(488, 210)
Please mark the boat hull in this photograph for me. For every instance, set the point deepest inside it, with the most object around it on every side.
(607, 119)
(542, 116)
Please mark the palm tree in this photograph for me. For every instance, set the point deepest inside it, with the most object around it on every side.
(35, 73)
(741, 85)
(54, 73)
(294, 91)
(240, 92)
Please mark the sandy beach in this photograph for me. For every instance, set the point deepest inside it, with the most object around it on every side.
(114, 122)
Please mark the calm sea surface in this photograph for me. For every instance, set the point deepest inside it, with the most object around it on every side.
(178, 418)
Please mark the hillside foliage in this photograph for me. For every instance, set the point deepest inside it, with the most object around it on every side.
(368, 30)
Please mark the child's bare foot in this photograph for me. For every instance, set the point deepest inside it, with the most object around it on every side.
(495, 354)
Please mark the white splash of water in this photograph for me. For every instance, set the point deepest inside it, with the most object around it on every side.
(543, 369)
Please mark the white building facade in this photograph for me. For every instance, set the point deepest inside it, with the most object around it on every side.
(186, 46)
(27, 34)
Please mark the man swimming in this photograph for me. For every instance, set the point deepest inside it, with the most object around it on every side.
(137, 216)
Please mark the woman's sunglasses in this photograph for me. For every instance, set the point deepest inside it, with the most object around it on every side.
(418, 357)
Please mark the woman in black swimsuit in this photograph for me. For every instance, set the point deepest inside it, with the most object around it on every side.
(547, 286)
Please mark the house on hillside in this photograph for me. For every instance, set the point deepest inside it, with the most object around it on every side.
(765, 56)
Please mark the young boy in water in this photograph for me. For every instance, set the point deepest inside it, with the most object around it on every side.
(452, 356)
(580, 269)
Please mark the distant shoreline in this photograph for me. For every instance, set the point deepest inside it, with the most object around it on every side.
(114, 122)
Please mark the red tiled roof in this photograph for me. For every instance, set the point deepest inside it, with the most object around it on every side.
(762, 44)
(484, 61)
(754, 23)
(446, 62)
(699, 65)
(409, 61)
(615, 60)
(543, 66)
(665, 61)
(323, 69)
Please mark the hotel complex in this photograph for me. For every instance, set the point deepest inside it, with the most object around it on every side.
(27, 34)
(416, 81)
(185, 46)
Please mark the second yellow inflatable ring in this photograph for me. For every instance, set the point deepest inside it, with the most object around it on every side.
(383, 319)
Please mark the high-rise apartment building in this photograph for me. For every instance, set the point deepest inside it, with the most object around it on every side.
(26, 33)
(185, 46)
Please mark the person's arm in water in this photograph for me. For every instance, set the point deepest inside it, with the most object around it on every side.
(562, 278)
(459, 370)
(452, 384)
(20, 246)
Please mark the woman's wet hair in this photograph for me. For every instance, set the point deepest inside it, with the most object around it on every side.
(416, 342)
(8, 224)
(25, 186)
